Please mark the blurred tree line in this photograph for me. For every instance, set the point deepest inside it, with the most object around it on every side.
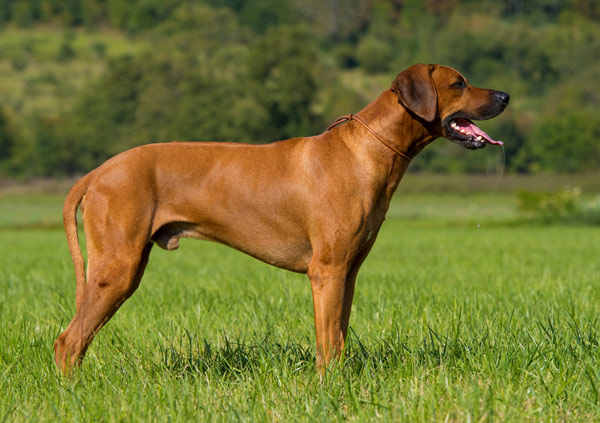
(262, 70)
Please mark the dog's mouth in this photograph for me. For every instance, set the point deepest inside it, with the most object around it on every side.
(465, 133)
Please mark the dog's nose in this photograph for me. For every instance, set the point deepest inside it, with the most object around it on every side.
(503, 97)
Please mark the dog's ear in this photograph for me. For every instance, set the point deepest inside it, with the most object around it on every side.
(416, 91)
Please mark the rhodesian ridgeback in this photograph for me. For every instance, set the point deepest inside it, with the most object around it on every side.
(311, 205)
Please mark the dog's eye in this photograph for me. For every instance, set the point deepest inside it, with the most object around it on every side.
(460, 84)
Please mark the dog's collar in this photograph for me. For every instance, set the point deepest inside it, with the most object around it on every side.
(350, 117)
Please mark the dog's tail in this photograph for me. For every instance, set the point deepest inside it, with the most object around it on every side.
(72, 201)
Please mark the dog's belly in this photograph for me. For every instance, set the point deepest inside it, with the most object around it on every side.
(282, 250)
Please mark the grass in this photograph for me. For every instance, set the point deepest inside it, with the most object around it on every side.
(450, 323)
(32, 210)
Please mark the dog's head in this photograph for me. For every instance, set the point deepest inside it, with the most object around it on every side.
(445, 100)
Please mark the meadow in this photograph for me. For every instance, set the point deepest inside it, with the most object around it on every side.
(463, 312)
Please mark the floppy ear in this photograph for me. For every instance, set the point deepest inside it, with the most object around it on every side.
(415, 90)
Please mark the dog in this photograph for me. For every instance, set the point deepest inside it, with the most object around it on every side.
(311, 205)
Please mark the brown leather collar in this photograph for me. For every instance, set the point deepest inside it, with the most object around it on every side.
(350, 117)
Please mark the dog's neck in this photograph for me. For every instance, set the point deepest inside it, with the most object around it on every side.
(400, 128)
(391, 121)
(394, 123)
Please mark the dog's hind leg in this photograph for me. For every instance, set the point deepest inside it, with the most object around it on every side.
(112, 278)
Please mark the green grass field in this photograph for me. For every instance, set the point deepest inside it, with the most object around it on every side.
(450, 322)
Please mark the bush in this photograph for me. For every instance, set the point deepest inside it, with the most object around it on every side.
(66, 51)
(19, 64)
(557, 206)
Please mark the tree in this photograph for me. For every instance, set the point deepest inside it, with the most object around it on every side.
(284, 63)
(7, 136)
(566, 141)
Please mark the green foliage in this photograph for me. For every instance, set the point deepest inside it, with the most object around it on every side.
(550, 206)
(374, 55)
(41, 153)
(590, 212)
(285, 64)
(261, 15)
(147, 13)
(7, 137)
(590, 8)
(263, 70)
(560, 206)
(19, 64)
(24, 13)
(99, 49)
(66, 51)
(566, 141)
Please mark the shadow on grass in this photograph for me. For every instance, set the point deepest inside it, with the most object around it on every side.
(510, 350)
(232, 357)
(189, 357)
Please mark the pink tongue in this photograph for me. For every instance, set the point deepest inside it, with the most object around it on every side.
(474, 129)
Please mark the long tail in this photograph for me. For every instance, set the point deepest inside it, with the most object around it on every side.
(72, 201)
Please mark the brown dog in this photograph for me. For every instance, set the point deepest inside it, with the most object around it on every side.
(310, 205)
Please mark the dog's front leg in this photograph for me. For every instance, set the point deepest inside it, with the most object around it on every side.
(329, 291)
